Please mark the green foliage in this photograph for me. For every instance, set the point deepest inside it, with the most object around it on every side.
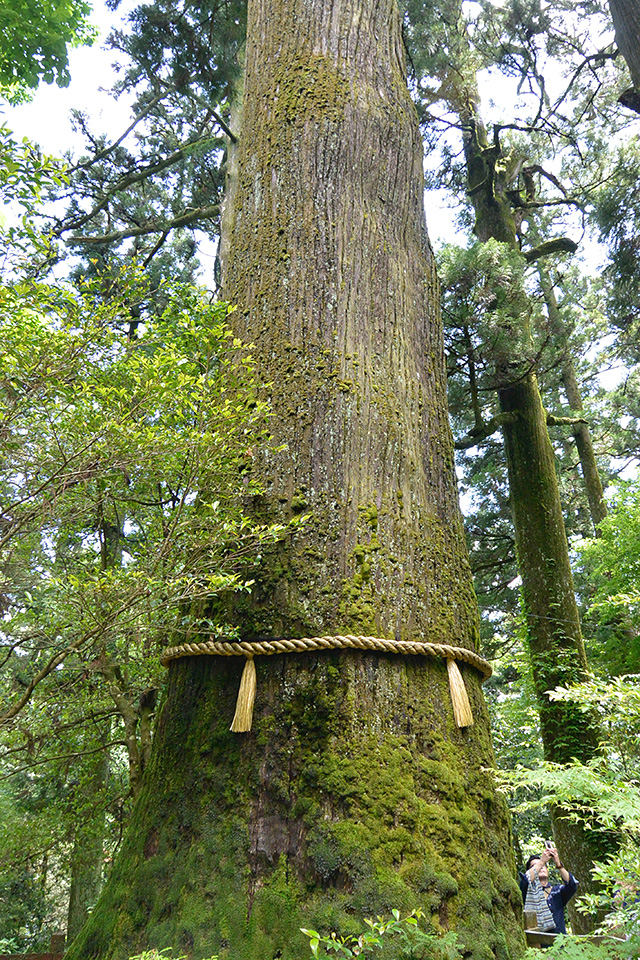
(485, 292)
(180, 64)
(126, 455)
(22, 912)
(617, 216)
(515, 728)
(161, 955)
(620, 887)
(25, 176)
(580, 948)
(24, 172)
(612, 563)
(393, 938)
(122, 465)
(585, 789)
(35, 38)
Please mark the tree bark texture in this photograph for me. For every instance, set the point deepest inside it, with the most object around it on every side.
(553, 622)
(87, 857)
(355, 793)
(626, 22)
(329, 262)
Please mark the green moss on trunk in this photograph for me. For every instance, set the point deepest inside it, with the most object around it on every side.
(355, 794)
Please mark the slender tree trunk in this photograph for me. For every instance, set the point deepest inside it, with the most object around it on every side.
(355, 793)
(620, 630)
(553, 622)
(581, 432)
(87, 858)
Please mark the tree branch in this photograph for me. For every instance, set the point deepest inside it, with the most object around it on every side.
(553, 421)
(476, 436)
(132, 178)
(57, 658)
(102, 154)
(200, 213)
(557, 245)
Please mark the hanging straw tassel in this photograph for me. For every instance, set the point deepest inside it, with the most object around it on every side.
(461, 707)
(246, 696)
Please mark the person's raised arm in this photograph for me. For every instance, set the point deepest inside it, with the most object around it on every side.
(532, 872)
(564, 873)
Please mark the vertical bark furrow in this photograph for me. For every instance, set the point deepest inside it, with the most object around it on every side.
(357, 331)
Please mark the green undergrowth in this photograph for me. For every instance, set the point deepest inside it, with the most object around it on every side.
(397, 938)
(581, 948)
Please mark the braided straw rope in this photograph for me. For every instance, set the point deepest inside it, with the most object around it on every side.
(248, 648)
(242, 720)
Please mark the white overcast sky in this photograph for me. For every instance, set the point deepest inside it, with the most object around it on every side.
(46, 120)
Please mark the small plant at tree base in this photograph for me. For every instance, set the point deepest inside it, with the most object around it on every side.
(157, 955)
(9, 945)
(161, 955)
(579, 948)
(404, 936)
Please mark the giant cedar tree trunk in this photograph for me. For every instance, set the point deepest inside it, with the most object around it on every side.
(355, 792)
(553, 623)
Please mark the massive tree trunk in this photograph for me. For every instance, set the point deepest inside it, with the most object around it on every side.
(626, 22)
(553, 622)
(355, 792)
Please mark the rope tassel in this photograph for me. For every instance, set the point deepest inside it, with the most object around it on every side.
(249, 648)
(246, 696)
(462, 712)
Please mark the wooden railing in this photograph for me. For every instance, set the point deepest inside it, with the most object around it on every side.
(537, 938)
(56, 951)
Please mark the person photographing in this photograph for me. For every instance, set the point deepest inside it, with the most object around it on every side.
(540, 896)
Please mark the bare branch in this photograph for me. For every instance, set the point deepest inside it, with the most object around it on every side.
(476, 436)
(557, 245)
(200, 213)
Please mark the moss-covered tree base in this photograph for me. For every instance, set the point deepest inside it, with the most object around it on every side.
(354, 794)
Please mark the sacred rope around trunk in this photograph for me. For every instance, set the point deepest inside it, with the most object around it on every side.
(251, 648)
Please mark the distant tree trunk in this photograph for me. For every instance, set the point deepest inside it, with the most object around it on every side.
(355, 793)
(87, 857)
(553, 623)
(581, 432)
(621, 634)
